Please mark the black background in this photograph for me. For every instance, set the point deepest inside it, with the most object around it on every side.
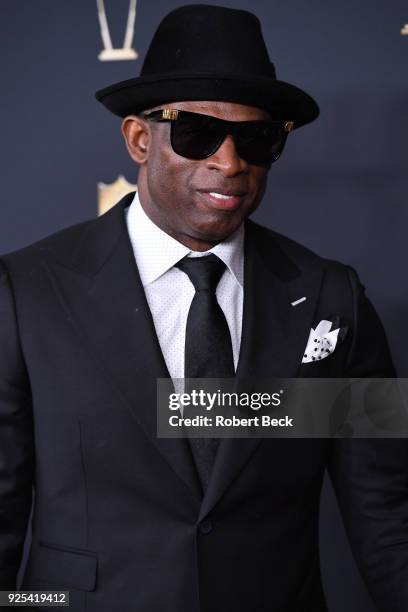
(341, 187)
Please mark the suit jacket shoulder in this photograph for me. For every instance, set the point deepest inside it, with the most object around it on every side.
(83, 244)
(303, 257)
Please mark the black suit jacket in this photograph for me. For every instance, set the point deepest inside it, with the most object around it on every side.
(119, 518)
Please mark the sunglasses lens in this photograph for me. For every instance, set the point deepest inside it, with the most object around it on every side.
(260, 143)
(195, 136)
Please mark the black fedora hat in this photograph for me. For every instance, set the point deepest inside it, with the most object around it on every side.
(204, 52)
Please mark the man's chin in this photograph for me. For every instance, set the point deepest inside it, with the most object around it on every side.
(214, 232)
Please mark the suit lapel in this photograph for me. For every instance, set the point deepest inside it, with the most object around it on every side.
(275, 332)
(274, 335)
(100, 287)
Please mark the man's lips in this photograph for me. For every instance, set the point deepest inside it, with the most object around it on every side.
(222, 199)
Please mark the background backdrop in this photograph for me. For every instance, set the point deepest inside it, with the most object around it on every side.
(340, 188)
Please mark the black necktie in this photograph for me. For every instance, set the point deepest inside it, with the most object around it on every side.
(208, 347)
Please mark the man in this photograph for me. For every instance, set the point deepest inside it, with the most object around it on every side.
(176, 281)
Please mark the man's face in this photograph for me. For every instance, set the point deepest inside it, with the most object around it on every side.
(176, 192)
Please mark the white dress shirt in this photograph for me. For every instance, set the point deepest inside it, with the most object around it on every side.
(169, 291)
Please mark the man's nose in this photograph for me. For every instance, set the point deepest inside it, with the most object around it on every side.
(226, 159)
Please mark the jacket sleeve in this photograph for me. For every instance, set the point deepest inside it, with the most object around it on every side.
(16, 440)
(370, 476)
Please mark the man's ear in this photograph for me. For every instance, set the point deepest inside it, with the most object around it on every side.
(136, 133)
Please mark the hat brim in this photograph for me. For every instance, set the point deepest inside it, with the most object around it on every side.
(280, 99)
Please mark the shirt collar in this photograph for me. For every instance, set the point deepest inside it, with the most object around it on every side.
(156, 252)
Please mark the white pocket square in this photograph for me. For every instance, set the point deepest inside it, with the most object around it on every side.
(321, 343)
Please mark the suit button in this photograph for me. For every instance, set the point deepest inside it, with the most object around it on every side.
(205, 526)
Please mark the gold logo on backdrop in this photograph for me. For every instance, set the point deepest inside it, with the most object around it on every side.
(110, 194)
(127, 52)
(405, 29)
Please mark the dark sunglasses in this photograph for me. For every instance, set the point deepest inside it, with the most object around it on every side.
(197, 136)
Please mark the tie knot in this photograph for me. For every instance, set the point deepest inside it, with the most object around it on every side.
(204, 272)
